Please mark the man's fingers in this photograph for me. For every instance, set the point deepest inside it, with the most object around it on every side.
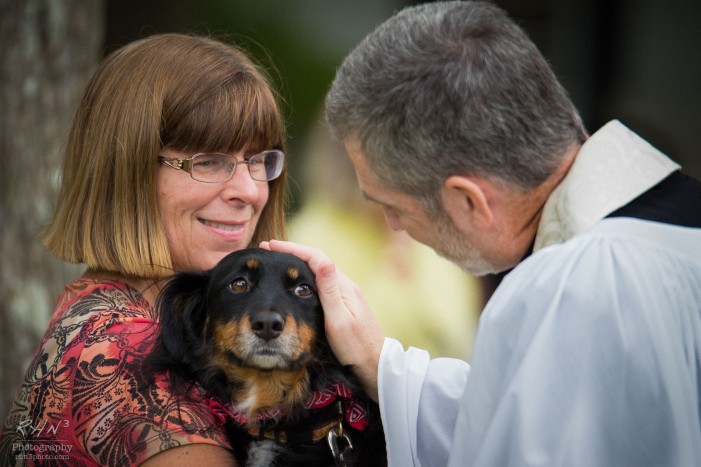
(296, 249)
(315, 258)
(330, 292)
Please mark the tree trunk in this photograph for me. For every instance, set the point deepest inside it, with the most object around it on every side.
(49, 48)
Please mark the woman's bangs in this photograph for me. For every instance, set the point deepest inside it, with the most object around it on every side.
(242, 115)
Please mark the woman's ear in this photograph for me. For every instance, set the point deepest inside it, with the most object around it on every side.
(466, 200)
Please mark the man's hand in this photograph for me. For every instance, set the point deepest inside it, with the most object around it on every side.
(351, 329)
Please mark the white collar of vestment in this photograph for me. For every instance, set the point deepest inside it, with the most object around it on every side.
(613, 167)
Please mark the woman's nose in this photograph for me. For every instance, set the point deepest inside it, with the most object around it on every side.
(241, 186)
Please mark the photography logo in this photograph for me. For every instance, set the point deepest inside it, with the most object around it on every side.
(45, 445)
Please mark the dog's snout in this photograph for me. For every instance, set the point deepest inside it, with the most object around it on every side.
(267, 325)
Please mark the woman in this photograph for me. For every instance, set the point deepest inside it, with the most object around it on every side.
(174, 160)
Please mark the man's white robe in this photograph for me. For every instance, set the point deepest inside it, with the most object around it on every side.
(588, 353)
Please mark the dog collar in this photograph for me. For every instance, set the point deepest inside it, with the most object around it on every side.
(354, 411)
(282, 436)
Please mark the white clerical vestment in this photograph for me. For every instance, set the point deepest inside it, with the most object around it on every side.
(588, 353)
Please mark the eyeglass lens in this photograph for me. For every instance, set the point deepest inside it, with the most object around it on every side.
(213, 167)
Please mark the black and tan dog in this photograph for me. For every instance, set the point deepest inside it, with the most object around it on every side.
(250, 331)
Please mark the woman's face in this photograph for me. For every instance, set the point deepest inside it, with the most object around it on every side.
(206, 221)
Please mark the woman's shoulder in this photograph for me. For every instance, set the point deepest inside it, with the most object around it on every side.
(89, 383)
(84, 297)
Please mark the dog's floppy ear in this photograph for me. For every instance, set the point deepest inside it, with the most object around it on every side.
(181, 307)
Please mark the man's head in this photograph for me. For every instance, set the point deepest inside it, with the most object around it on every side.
(447, 90)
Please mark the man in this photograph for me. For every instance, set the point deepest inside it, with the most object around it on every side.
(589, 352)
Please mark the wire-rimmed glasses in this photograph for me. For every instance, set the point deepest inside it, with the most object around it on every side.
(214, 167)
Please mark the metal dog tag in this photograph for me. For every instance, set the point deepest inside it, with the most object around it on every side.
(333, 439)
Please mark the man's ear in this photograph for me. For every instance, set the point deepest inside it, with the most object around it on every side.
(466, 200)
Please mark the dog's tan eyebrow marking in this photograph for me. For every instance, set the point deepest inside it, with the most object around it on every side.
(293, 272)
(252, 263)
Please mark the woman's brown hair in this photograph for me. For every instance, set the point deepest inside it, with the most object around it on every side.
(186, 93)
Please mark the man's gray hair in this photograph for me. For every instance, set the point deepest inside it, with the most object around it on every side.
(452, 88)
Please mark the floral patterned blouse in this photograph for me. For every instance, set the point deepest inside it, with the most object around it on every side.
(85, 398)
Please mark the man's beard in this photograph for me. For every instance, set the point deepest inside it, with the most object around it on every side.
(452, 245)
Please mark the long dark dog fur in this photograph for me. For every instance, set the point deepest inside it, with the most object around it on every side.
(250, 331)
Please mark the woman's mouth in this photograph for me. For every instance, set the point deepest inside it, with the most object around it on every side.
(217, 225)
(229, 231)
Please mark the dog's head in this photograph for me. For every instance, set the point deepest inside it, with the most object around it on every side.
(255, 314)
(263, 311)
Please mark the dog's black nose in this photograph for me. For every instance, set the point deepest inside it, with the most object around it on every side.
(267, 325)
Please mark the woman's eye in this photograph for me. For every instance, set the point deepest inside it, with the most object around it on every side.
(239, 285)
(254, 161)
(209, 161)
(303, 290)
(208, 164)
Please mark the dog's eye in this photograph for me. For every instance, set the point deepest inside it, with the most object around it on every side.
(303, 290)
(240, 285)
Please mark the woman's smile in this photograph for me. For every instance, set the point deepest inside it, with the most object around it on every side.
(231, 230)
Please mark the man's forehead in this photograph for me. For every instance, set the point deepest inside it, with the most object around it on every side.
(368, 182)
(370, 185)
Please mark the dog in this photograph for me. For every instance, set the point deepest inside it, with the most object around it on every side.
(250, 332)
